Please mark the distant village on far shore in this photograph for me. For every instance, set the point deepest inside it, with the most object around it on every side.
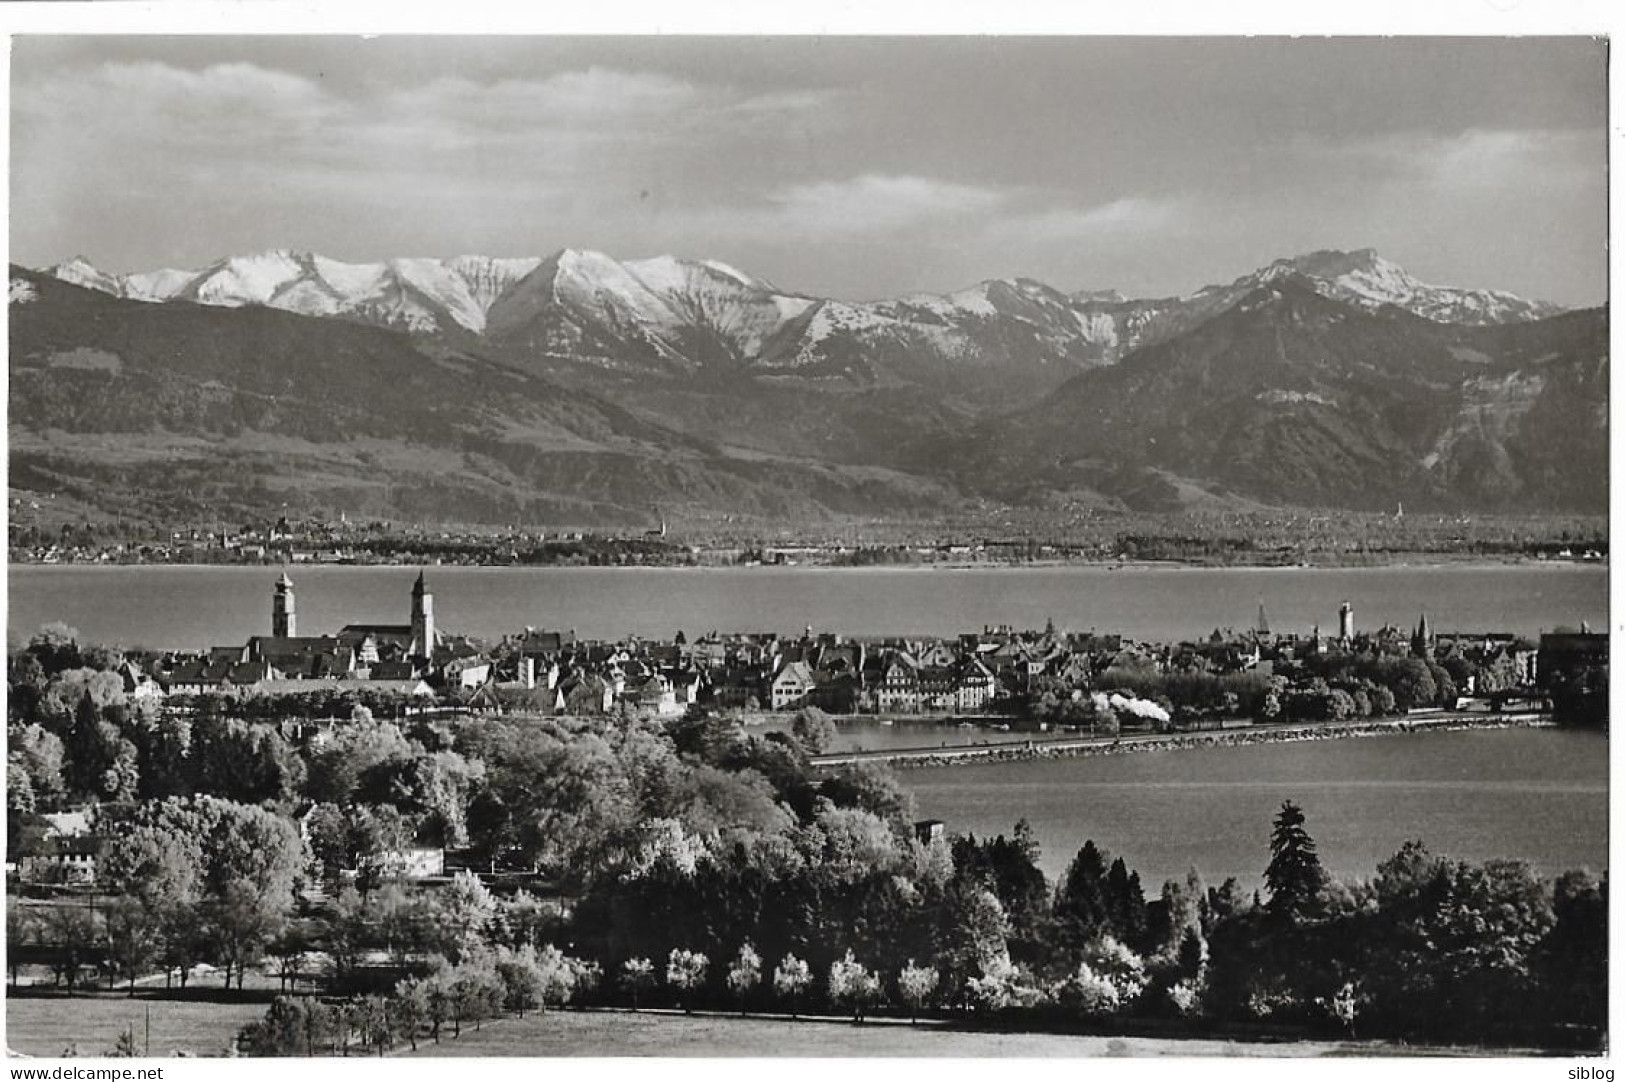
(1032, 674)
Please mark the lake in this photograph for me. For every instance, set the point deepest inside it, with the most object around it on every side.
(174, 607)
(1538, 795)
(1532, 794)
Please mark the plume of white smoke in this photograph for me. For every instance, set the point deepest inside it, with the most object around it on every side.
(1142, 708)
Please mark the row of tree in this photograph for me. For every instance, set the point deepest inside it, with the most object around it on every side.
(1430, 949)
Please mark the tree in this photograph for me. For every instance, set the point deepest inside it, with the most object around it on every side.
(813, 730)
(164, 745)
(243, 921)
(462, 911)
(320, 1024)
(1340, 705)
(347, 1023)
(403, 921)
(1294, 877)
(434, 787)
(21, 929)
(238, 842)
(284, 1031)
(852, 983)
(528, 919)
(377, 1023)
(685, 971)
(873, 788)
(100, 763)
(1224, 902)
(247, 761)
(131, 937)
(437, 990)
(476, 991)
(336, 768)
(1345, 1007)
(973, 931)
(411, 1008)
(1118, 966)
(1092, 992)
(39, 753)
(585, 976)
(637, 975)
(1572, 961)
(1125, 903)
(70, 930)
(745, 973)
(1081, 910)
(914, 986)
(1459, 945)
(1000, 984)
(558, 976)
(159, 867)
(521, 979)
(185, 939)
(290, 948)
(56, 647)
(1412, 684)
(791, 978)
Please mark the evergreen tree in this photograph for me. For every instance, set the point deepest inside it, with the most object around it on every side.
(1125, 904)
(1294, 876)
(1080, 903)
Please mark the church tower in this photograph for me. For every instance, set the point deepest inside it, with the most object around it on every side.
(1422, 641)
(423, 639)
(282, 613)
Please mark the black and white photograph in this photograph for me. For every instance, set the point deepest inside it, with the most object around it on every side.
(932, 545)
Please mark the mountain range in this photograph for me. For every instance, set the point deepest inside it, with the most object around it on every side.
(579, 384)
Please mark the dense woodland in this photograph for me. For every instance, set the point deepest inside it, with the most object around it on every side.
(631, 862)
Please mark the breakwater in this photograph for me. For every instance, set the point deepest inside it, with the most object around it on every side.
(1020, 751)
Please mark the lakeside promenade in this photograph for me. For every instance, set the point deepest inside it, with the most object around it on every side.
(1262, 733)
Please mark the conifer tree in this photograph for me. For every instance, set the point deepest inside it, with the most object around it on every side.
(1294, 877)
(1080, 909)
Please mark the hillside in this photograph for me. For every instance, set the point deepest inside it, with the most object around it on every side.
(582, 389)
(1293, 397)
(187, 411)
(991, 347)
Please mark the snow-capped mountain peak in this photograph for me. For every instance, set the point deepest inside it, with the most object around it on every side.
(1364, 278)
(684, 315)
(82, 272)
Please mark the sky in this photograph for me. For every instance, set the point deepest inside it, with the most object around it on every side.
(850, 167)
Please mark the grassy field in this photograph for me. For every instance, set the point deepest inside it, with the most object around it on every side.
(618, 1033)
(46, 1026)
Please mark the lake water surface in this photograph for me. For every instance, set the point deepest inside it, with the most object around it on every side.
(1531, 794)
(1535, 795)
(195, 607)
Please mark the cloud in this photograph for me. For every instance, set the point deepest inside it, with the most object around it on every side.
(149, 102)
(1128, 215)
(1475, 159)
(876, 201)
(570, 99)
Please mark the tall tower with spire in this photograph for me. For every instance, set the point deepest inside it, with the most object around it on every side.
(423, 639)
(282, 611)
(1422, 640)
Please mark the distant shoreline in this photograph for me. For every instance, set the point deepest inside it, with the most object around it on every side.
(1088, 747)
(1414, 562)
